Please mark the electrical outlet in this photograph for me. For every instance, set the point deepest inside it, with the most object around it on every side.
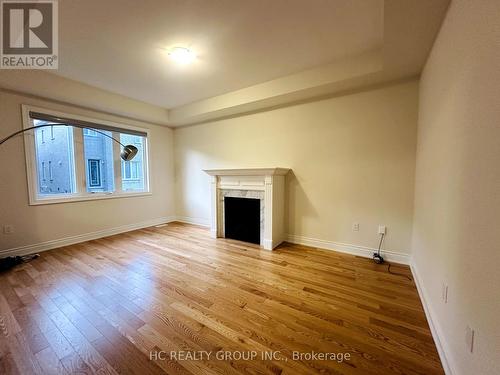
(8, 229)
(355, 227)
(382, 229)
(469, 339)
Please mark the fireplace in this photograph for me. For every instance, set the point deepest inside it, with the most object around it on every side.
(242, 219)
(261, 188)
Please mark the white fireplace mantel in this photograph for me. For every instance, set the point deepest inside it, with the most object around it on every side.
(248, 172)
(270, 182)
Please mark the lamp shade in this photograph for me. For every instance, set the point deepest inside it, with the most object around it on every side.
(128, 152)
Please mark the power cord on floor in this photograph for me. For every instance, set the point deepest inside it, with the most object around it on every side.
(380, 260)
(377, 258)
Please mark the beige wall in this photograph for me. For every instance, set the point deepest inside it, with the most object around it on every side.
(352, 157)
(38, 224)
(456, 236)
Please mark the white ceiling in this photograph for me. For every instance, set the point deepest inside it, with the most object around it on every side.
(119, 45)
(253, 54)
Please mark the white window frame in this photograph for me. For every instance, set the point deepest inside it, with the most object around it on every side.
(81, 193)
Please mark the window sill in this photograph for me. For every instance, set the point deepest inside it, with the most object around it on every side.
(89, 197)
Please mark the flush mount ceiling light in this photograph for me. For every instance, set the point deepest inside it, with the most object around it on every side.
(182, 55)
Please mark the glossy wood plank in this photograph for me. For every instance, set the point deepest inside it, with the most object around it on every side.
(102, 307)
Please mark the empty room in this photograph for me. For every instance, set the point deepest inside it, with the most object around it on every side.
(250, 187)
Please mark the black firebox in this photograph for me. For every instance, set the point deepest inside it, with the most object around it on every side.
(242, 219)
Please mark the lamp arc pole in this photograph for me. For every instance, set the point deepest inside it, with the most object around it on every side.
(128, 152)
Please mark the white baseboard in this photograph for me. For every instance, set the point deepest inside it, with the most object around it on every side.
(193, 220)
(53, 244)
(363, 251)
(437, 332)
(328, 245)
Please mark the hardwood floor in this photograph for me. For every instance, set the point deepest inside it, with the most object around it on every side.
(121, 304)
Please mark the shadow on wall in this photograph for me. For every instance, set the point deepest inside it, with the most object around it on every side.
(296, 201)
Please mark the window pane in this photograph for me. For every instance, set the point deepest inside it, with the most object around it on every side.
(54, 159)
(133, 171)
(94, 172)
(98, 154)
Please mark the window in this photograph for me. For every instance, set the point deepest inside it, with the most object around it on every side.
(132, 171)
(98, 154)
(94, 171)
(54, 161)
(71, 163)
(90, 132)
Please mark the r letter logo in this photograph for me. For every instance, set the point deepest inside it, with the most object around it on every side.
(29, 34)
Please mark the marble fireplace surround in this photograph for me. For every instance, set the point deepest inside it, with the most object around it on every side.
(265, 184)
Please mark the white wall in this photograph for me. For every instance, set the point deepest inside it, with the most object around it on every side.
(39, 224)
(456, 236)
(353, 160)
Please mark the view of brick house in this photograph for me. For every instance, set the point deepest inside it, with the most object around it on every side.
(56, 161)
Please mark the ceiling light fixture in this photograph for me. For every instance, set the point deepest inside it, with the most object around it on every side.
(182, 55)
